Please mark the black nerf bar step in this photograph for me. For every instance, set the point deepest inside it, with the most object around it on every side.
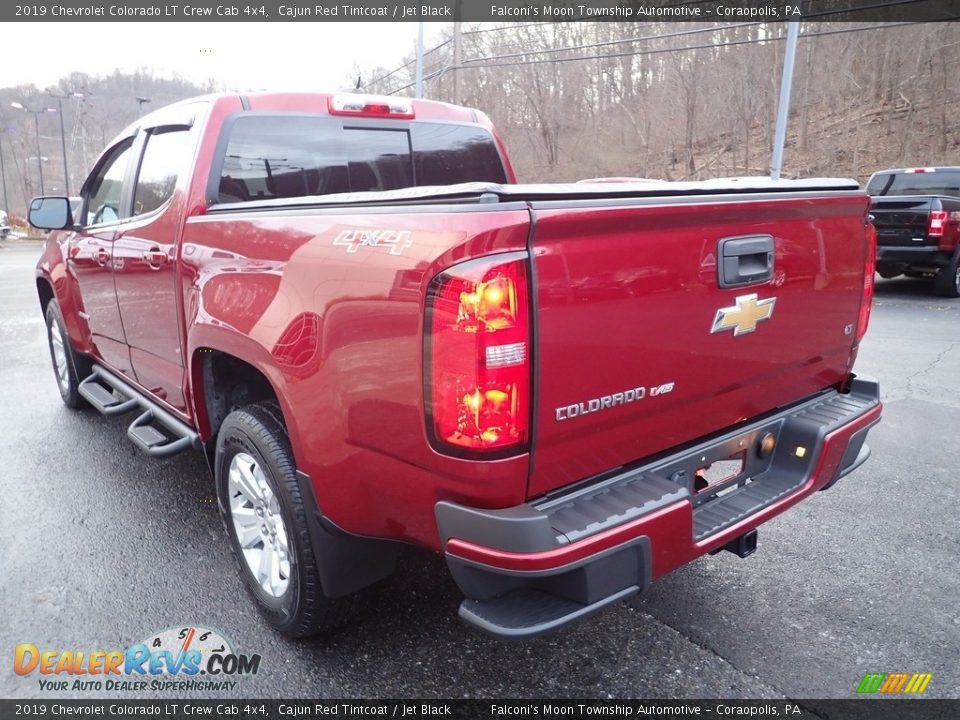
(107, 400)
(155, 431)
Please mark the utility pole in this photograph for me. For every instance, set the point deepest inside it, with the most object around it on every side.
(419, 82)
(457, 54)
(141, 101)
(3, 174)
(63, 149)
(63, 140)
(783, 111)
(36, 122)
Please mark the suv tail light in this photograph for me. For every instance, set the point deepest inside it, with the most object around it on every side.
(477, 357)
(938, 221)
(869, 268)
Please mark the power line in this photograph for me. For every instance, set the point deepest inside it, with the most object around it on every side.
(409, 63)
(669, 50)
(680, 33)
(861, 8)
(694, 47)
(511, 26)
(607, 43)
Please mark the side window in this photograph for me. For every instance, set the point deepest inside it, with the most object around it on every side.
(166, 154)
(270, 157)
(103, 198)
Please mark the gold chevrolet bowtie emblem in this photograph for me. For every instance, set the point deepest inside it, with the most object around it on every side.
(744, 316)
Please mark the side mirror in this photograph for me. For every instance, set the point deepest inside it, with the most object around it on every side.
(50, 213)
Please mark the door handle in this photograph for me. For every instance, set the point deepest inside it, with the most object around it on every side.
(155, 258)
(102, 257)
(745, 260)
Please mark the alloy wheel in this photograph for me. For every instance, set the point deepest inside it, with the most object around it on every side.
(259, 528)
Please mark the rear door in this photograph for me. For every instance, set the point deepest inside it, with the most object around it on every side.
(641, 348)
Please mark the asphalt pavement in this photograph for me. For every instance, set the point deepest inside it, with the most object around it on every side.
(101, 546)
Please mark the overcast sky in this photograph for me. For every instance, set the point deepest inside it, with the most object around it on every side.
(242, 56)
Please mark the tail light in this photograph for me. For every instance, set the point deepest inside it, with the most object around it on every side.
(477, 355)
(869, 268)
(938, 221)
(370, 106)
(937, 227)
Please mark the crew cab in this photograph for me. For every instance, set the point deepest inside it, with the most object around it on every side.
(916, 212)
(378, 337)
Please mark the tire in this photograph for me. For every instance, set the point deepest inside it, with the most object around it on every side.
(947, 281)
(261, 504)
(69, 366)
(888, 274)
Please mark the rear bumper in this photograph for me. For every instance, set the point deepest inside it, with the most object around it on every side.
(922, 255)
(535, 567)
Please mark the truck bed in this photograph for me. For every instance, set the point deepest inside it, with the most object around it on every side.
(537, 192)
(625, 282)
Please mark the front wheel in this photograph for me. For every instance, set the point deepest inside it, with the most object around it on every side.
(69, 367)
(266, 520)
(947, 282)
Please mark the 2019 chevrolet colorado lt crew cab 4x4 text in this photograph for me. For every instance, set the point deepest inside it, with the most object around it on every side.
(377, 337)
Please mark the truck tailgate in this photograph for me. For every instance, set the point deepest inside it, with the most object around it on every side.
(902, 221)
(632, 356)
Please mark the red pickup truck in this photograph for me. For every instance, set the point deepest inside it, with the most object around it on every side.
(377, 337)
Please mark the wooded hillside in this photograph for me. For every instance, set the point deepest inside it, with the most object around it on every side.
(691, 100)
(108, 104)
(576, 100)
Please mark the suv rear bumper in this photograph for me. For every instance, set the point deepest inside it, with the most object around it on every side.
(533, 568)
(922, 255)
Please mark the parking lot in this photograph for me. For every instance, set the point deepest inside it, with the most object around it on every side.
(101, 546)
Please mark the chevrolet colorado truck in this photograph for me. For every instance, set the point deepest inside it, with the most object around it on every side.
(377, 338)
(916, 212)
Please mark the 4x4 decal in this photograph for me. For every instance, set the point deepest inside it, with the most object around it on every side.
(395, 240)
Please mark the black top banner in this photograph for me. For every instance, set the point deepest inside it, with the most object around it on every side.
(482, 10)
(497, 709)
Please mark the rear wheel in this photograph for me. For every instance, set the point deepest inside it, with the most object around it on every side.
(947, 282)
(266, 520)
(887, 273)
(69, 366)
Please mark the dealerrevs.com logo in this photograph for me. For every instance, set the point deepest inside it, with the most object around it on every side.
(176, 659)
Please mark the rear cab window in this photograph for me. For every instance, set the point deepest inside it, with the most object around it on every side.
(935, 182)
(287, 156)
